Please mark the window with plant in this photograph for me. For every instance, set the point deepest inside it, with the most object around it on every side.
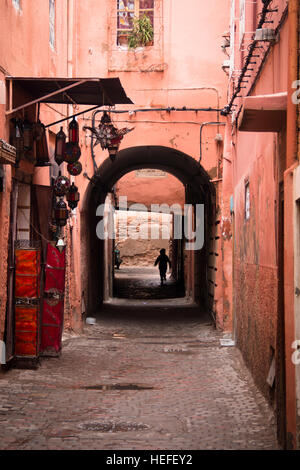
(135, 22)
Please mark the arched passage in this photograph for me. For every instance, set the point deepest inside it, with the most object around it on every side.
(199, 190)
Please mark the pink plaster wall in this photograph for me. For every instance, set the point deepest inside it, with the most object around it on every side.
(182, 69)
(151, 190)
(251, 283)
(191, 75)
(25, 34)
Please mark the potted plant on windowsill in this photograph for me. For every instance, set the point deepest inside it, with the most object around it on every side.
(142, 33)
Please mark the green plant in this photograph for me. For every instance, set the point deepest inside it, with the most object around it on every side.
(142, 32)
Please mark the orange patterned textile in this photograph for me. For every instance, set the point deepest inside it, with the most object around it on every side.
(27, 273)
(26, 330)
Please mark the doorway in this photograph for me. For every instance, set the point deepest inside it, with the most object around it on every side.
(191, 264)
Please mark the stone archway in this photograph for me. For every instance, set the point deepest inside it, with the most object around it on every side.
(199, 190)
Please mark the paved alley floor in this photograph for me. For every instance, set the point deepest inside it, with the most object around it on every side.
(143, 377)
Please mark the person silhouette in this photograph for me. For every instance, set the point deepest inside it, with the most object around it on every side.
(162, 261)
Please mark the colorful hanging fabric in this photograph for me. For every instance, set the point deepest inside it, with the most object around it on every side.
(53, 302)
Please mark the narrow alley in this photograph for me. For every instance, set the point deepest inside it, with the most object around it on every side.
(150, 225)
(143, 377)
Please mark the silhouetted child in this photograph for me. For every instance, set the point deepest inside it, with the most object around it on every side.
(162, 262)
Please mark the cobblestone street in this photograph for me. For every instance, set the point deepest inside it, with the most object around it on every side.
(155, 378)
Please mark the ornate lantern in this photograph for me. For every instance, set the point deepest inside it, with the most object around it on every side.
(61, 212)
(60, 143)
(113, 149)
(74, 168)
(61, 185)
(42, 154)
(17, 139)
(108, 135)
(27, 134)
(74, 131)
(38, 130)
(73, 196)
(72, 152)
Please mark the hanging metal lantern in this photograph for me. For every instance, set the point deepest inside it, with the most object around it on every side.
(72, 152)
(17, 140)
(60, 144)
(73, 196)
(113, 148)
(27, 134)
(61, 185)
(42, 154)
(108, 135)
(38, 130)
(107, 132)
(61, 213)
(74, 131)
(74, 168)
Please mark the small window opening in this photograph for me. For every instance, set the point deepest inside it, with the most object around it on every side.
(127, 12)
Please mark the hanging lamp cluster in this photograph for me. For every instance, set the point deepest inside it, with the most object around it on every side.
(70, 153)
(107, 135)
(63, 188)
(30, 140)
